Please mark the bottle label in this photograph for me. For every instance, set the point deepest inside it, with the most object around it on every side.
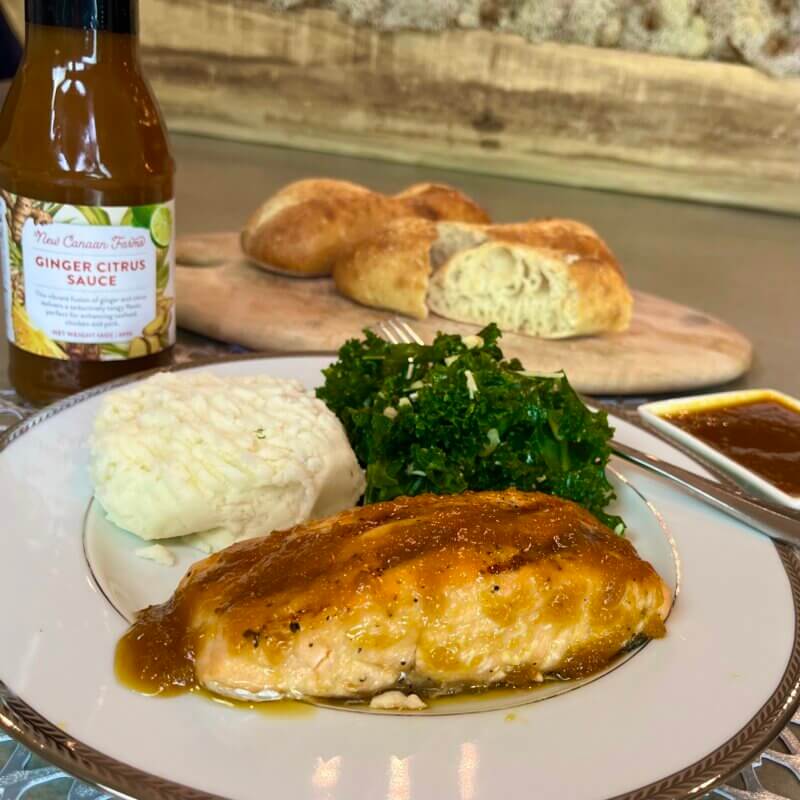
(87, 282)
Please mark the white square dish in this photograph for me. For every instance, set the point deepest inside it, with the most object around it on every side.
(655, 415)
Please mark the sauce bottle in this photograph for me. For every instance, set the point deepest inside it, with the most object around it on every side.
(86, 204)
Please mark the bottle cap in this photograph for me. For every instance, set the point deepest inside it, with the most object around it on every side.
(117, 16)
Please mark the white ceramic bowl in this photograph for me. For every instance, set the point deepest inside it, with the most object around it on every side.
(654, 413)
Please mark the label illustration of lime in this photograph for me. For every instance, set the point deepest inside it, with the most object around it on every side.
(127, 218)
(161, 226)
(142, 215)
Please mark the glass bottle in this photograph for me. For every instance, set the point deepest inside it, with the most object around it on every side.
(86, 204)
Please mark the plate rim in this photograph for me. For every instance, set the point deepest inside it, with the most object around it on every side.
(50, 742)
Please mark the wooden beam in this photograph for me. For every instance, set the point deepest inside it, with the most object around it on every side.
(479, 101)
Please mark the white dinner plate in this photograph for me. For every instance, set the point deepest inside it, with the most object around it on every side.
(670, 721)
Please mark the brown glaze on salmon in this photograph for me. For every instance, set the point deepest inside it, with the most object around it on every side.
(471, 590)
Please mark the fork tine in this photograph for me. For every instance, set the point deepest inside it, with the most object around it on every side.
(410, 334)
(395, 331)
(385, 332)
(398, 331)
(404, 332)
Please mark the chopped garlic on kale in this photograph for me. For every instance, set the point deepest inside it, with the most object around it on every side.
(532, 432)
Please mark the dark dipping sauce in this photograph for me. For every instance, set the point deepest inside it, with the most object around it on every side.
(762, 435)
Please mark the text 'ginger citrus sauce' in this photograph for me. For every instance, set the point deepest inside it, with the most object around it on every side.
(86, 204)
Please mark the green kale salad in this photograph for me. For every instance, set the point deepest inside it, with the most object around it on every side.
(454, 415)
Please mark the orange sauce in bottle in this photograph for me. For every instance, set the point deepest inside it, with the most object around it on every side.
(86, 184)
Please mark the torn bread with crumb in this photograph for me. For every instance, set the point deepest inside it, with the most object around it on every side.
(552, 278)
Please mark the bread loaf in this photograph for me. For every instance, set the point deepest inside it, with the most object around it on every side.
(310, 224)
(392, 268)
(551, 278)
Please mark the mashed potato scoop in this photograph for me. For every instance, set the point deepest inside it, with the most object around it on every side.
(219, 459)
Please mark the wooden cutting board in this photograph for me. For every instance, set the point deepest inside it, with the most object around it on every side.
(668, 348)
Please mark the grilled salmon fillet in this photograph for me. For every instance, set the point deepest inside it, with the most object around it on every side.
(470, 590)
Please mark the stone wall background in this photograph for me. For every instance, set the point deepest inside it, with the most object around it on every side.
(763, 33)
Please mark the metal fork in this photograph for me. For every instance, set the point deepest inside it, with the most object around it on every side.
(733, 502)
(395, 331)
